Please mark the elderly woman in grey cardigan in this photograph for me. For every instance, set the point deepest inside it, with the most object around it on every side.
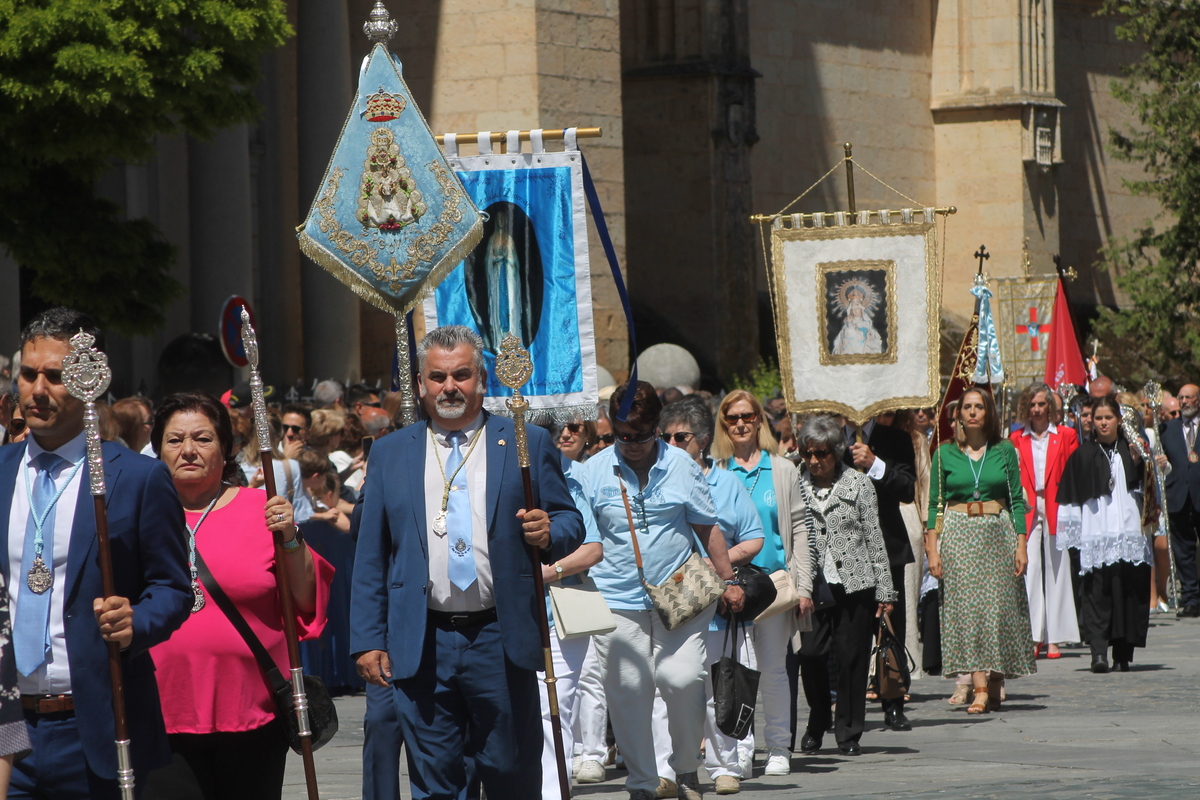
(852, 563)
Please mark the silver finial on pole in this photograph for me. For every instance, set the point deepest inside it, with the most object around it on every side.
(379, 27)
(257, 401)
(87, 375)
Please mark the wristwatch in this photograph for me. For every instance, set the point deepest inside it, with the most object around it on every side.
(294, 544)
(559, 572)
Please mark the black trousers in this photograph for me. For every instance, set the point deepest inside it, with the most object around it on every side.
(899, 625)
(223, 766)
(846, 631)
(1183, 541)
(1116, 608)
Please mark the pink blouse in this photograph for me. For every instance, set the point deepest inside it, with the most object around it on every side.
(207, 676)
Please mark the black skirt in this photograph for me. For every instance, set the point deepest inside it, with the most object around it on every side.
(1116, 603)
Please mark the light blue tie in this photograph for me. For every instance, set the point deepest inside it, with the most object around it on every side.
(31, 631)
(458, 518)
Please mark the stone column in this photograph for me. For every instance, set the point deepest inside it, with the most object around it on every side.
(326, 75)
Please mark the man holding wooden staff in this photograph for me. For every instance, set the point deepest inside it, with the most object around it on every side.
(48, 554)
(443, 606)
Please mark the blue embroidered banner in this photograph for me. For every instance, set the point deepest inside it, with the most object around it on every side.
(529, 276)
(390, 219)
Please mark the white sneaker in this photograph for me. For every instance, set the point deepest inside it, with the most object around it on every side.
(746, 764)
(590, 771)
(778, 762)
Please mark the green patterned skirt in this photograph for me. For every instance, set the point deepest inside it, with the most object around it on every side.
(985, 611)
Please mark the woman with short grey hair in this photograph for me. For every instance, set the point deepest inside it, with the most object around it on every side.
(852, 562)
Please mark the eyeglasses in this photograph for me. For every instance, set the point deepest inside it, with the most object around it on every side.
(573, 427)
(680, 437)
(606, 438)
(635, 438)
(296, 429)
(734, 419)
(808, 455)
(16, 426)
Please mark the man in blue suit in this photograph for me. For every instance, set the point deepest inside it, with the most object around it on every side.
(49, 557)
(443, 606)
(1183, 495)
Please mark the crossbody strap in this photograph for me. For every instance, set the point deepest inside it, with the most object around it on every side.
(265, 662)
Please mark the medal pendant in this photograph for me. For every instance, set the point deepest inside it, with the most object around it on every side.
(976, 494)
(40, 578)
(1112, 484)
(198, 595)
(439, 523)
(1193, 457)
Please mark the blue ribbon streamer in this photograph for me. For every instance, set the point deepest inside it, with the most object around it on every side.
(988, 367)
(610, 252)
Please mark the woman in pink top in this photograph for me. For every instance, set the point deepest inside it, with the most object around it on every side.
(219, 712)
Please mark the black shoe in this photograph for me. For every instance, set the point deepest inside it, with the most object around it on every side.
(810, 743)
(1191, 610)
(1121, 666)
(1100, 664)
(896, 720)
(850, 749)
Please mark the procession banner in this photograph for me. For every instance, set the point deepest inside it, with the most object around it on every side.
(529, 275)
(858, 310)
(1024, 306)
(390, 219)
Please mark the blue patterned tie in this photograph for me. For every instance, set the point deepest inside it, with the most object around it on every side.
(31, 630)
(461, 566)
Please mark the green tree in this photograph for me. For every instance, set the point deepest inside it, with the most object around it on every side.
(86, 83)
(1158, 266)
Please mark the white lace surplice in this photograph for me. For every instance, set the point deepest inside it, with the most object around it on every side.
(1107, 529)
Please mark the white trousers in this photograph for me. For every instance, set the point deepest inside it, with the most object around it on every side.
(591, 717)
(1048, 583)
(568, 662)
(770, 639)
(641, 655)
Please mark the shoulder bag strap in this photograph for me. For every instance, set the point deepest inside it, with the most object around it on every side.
(265, 662)
(637, 553)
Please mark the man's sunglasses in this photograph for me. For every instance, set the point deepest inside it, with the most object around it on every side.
(811, 454)
(16, 426)
(296, 429)
(635, 438)
(680, 437)
(606, 438)
(734, 419)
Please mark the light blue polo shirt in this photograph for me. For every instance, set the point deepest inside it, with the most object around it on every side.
(736, 515)
(571, 471)
(675, 497)
(760, 483)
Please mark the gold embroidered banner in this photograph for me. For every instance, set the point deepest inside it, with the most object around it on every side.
(1023, 308)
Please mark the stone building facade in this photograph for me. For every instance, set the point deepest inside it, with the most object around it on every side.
(712, 110)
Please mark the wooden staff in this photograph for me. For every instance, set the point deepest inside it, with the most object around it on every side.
(86, 374)
(514, 368)
(299, 696)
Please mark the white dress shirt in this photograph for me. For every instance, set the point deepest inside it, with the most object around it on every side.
(54, 675)
(1040, 447)
(444, 595)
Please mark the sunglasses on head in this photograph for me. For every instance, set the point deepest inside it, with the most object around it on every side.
(733, 419)
(680, 437)
(296, 429)
(810, 454)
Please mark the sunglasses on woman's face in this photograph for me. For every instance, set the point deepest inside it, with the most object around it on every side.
(808, 455)
(681, 437)
(573, 427)
(734, 419)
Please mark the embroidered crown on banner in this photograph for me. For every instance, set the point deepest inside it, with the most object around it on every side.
(383, 106)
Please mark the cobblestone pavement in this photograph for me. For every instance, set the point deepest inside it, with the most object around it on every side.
(1064, 733)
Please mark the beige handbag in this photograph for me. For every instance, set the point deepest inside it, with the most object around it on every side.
(786, 596)
(687, 591)
(580, 610)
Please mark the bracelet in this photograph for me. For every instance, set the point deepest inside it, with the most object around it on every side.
(294, 544)
(734, 582)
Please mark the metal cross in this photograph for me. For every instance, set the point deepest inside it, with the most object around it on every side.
(982, 254)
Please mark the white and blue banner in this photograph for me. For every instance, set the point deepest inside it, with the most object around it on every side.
(529, 275)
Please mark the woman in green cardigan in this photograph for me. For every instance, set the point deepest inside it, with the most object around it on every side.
(975, 541)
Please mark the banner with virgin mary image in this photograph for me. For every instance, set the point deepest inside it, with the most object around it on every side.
(529, 275)
(857, 312)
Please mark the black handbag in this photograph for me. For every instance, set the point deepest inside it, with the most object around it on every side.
(759, 589)
(322, 715)
(735, 690)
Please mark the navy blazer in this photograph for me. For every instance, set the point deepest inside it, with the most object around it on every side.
(388, 603)
(1184, 479)
(146, 534)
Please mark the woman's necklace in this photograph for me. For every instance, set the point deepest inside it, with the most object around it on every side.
(1112, 464)
(977, 473)
(757, 473)
(197, 591)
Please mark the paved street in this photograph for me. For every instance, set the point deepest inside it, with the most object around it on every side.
(1064, 733)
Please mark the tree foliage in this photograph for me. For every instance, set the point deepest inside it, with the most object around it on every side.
(1158, 266)
(86, 83)
(763, 381)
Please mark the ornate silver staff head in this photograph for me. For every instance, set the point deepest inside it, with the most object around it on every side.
(86, 375)
(1153, 392)
(257, 401)
(379, 27)
(514, 368)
